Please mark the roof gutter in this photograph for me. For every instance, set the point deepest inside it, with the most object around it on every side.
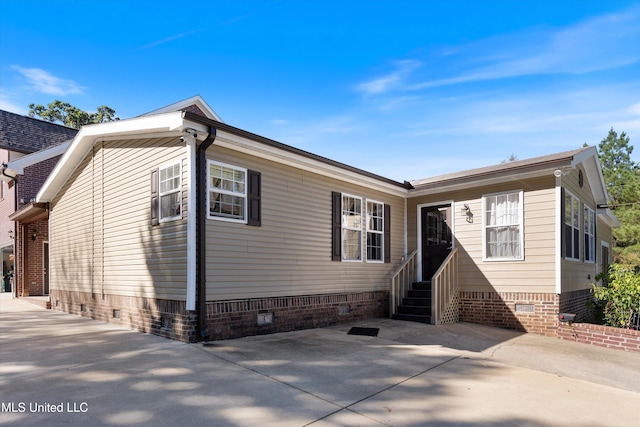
(201, 241)
(7, 177)
(293, 151)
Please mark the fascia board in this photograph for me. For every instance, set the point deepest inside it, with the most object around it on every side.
(473, 182)
(88, 135)
(247, 146)
(197, 100)
(608, 217)
(18, 165)
(596, 179)
(583, 155)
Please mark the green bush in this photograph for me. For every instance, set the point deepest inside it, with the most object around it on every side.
(619, 296)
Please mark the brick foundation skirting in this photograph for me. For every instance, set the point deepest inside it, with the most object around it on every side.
(577, 303)
(521, 311)
(225, 319)
(166, 318)
(602, 336)
(235, 319)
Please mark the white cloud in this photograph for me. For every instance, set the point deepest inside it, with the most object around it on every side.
(634, 109)
(169, 39)
(597, 44)
(279, 122)
(44, 82)
(392, 80)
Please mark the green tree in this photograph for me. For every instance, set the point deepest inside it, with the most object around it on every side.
(68, 115)
(512, 158)
(619, 297)
(622, 178)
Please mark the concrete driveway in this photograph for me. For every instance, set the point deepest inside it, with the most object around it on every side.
(60, 369)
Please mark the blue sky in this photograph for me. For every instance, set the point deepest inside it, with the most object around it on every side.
(405, 89)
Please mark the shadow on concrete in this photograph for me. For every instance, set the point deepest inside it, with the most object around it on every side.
(410, 375)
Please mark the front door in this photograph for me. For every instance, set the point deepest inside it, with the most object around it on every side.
(45, 268)
(436, 238)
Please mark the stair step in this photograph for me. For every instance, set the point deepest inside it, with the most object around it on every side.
(422, 302)
(419, 294)
(412, 309)
(412, 318)
(421, 286)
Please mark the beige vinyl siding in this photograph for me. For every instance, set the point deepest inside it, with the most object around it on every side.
(108, 202)
(71, 233)
(577, 274)
(290, 254)
(536, 273)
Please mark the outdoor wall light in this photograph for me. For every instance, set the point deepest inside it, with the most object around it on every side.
(11, 234)
(465, 211)
(34, 234)
(562, 172)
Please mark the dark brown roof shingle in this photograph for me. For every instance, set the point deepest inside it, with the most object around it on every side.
(28, 135)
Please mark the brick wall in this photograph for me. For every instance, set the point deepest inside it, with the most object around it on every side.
(29, 268)
(602, 336)
(225, 319)
(576, 303)
(29, 275)
(166, 318)
(34, 176)
(521, 311)
(234, 319)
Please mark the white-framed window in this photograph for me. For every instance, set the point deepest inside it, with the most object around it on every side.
(503, 226)
(375, 231)
(227, 192)
(589, 228)
(170, 194)
(571, 226)
(351, 228)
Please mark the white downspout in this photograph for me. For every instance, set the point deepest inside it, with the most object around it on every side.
(190, 140)
(558, 231)
(406, 243)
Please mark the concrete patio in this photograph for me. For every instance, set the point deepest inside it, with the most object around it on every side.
(411, 374)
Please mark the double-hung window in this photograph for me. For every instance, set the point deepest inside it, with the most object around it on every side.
(375, 231)
(170, 192)
(589, 234)
(351, 228)
(503, 226)
(571, 226)
(227, 192)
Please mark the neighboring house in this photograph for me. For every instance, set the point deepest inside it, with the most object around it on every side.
(24, 244)
(179, 224)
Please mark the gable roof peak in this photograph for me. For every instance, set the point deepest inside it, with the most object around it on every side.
(196, 104)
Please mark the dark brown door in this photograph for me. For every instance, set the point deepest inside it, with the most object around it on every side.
(436, 238)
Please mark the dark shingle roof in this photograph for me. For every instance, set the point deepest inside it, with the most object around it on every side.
(28, 135)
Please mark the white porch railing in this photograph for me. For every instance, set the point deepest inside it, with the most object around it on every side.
(401, 281)
(444, 292)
